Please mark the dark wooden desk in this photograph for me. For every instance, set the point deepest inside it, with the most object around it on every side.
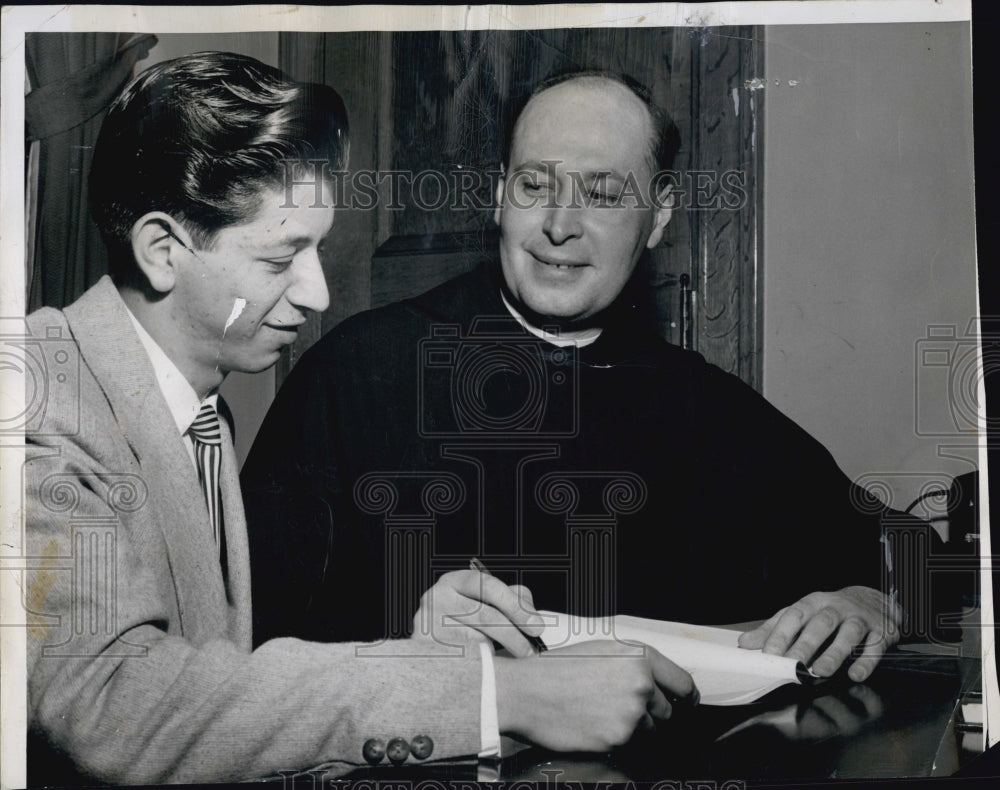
(898, 723)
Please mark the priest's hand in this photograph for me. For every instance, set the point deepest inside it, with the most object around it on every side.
(823, 629)
(469, 606)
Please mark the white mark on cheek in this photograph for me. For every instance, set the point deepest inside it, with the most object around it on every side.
(239, 304)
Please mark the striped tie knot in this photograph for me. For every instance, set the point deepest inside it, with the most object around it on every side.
(205, 427)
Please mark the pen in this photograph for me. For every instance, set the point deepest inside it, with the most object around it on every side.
(535, 641)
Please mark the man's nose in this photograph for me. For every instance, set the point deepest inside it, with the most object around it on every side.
(308, 290)
(562, 223)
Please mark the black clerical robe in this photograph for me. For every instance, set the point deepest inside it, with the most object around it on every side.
(627, 476)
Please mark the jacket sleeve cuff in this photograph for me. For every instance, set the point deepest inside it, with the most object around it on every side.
(489, 722)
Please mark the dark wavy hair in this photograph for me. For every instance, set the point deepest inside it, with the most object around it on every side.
(199, 138)
(665, 139)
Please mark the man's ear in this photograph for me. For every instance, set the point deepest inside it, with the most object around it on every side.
(501, 184)
(664, 209)
(158, 243)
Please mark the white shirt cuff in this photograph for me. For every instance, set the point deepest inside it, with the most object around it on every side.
(489, 721)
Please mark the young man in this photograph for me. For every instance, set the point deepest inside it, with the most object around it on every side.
(600, 466)
(140, 666)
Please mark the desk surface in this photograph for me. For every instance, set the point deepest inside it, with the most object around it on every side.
(898, 723)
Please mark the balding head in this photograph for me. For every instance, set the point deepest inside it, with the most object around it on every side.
(663, 136)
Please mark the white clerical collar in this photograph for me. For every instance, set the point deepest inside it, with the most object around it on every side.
(181, 398)
(578, 337)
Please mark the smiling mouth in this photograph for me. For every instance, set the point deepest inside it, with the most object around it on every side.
(563, 265)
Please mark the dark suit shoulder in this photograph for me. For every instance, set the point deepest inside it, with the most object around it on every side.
(462, 297)
(720, 403)
(456, 301)
(687, 366)
(629, 338)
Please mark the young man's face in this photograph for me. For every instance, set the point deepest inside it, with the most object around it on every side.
(561, 258)
(238, 303)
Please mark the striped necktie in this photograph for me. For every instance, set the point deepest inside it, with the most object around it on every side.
(208, 454)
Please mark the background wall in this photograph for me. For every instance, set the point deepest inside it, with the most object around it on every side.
(868, 241)
(263, 46)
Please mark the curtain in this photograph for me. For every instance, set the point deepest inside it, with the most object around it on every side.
(74, 77)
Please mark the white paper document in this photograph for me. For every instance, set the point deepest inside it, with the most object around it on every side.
(724, 673)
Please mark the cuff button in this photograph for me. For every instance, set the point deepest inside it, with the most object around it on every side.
(421, 747)
(397, 751)
(373, 750)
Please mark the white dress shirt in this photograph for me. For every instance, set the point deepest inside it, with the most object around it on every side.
(177, 391)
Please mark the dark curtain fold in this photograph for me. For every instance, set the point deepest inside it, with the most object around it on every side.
(74, 78)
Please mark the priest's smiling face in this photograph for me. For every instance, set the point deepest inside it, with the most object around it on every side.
(575, 207)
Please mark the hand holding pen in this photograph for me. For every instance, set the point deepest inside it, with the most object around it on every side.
(473, 605)
(535, 641)
(594, 697)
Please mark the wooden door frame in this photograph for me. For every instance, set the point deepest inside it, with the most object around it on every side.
(727, 246)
